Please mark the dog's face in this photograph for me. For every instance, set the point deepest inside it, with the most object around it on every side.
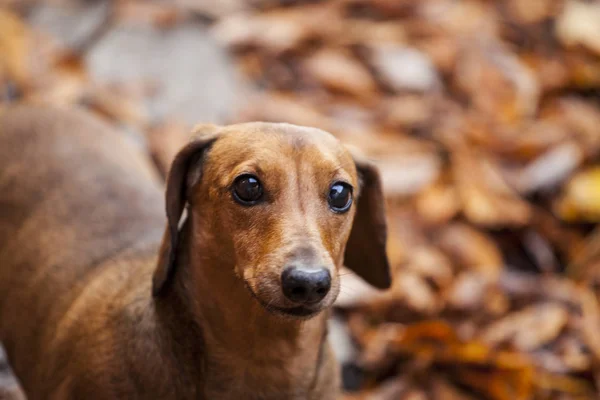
(281, 201)
(278, 204)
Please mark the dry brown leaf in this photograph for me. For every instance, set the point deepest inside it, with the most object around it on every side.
(116, 106)
(407, 175)
(64, 84)
(404, 68)
(524, 143)
(164, 141)
(162, 15)
(590, 322)
(275, 107)
(472, 250)
(502, 385)
(414, 395)
(531, 11)
(578, 24)
(528, 329)
(415, 292)
(551, 168)
(499, 84)
(389, 390)
(367, 33)
(404, 234)
(468, 291)
(443, 390)
(570, 355)
(486, 198)
(390, 8)
(271, 32)
(406, 111)
(430, 329)
(438, 203)
(551, 70)
(465, 19)
(584, 70)
(213, 9)
(339, 71)
(567, 385)
(15, 42)
(582, 119)
(437, 342)
(431, 264)
(581, 198)
(376, 353)
(443, 52)
(278, 30)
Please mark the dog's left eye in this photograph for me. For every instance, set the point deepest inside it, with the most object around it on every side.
(247, 189)
(340, 197)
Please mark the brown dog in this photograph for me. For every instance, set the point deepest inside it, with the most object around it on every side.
(231, 304)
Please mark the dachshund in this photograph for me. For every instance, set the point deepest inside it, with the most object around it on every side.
(99, 300)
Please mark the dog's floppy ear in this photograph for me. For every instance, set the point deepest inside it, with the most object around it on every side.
(185, 171)
(366, 248)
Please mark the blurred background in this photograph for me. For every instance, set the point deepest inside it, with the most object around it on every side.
(484, 117)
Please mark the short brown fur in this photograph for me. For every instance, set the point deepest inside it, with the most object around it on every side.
(99, 301)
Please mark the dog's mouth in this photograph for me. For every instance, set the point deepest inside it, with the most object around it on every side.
(296, 312)
(299, 312)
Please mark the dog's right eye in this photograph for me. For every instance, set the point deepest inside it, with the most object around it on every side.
(247, 189)
(340, 197)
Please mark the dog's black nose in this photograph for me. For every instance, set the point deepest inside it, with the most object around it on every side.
(305, 285)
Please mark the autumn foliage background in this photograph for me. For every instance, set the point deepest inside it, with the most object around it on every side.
(484, 117)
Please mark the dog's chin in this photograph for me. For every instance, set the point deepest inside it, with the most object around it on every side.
(298, 312)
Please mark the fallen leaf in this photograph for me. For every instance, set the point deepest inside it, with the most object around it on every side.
(486, 198)
(468, 291)
(438, 203)
(431, 264)
(581, 198)
(528, 329)
(578, 24)
(551, 168)
(15, 42)
(499, 85)
(338, 71)
(405, 68)
(471, 250)
(164, 142)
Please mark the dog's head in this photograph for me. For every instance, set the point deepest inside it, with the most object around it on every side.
(282, 207)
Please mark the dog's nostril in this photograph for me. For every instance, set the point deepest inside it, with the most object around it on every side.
(305, 285)
(299, 291)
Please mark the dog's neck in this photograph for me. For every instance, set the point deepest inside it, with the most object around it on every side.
(240, 338)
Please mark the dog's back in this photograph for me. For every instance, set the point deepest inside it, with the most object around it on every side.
(73, 195)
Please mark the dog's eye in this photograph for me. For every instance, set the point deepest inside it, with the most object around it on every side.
(247, 189)
(340, 197)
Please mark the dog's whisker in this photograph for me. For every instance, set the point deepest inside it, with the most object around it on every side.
(348, 290)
